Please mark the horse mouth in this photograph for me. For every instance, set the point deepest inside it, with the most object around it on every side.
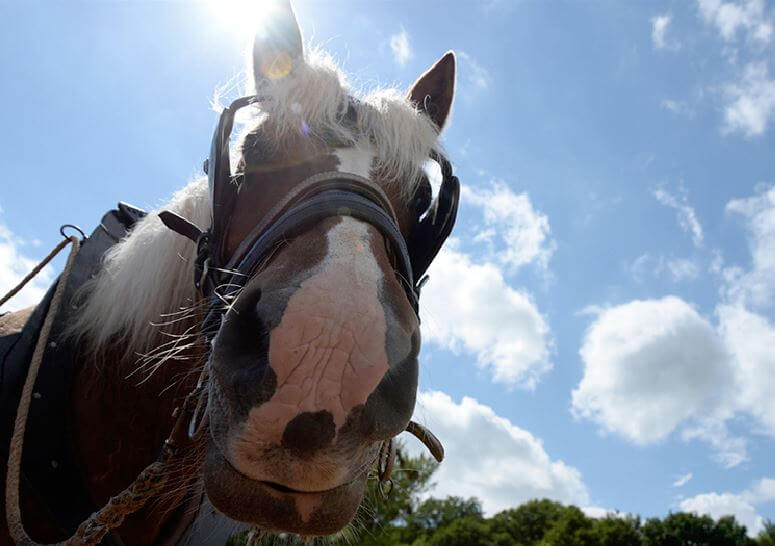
(276, 507)
(280, 488)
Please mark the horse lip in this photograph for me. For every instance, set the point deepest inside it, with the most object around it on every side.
(269, 506)
(280, 488)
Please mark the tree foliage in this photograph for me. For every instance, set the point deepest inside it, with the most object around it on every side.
(767, 536)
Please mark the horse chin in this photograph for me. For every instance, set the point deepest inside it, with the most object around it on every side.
(275, 508)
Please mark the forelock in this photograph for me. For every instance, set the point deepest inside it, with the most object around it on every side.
(314, 99)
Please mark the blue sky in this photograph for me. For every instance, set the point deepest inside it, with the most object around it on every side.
(599, 331)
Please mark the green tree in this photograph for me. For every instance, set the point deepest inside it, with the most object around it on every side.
(766, 536)
(573, 528)
(435, 513)
(382, 519)
(465, 531)
(528, 523)
(615, 531)
(683, 529)
(728, 531)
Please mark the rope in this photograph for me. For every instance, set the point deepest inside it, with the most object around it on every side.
(35, 270)
(13, 511)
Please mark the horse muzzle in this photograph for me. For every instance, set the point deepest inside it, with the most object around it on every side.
(275, 507)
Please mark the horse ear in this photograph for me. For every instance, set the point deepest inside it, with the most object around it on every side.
(277, 46)
(433, 92)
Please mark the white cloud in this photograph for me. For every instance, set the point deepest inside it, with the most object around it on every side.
(756, 286)
(14, 266)
(741, 505)
(656, 366)
(728, 450)
(683, 480)
(680, 269)
(489, 457)
(470, 307)
(659, 26)
(678, 108)
(475, 74)
(649, 366)
(725, 504)
(749, 335)
(599, 512)
(762, 491)
(751, 104)
(645, 264)
(729, 18)
(749, 101)
(627, 347)
(717, 262)
(687, 217)
(750, 338)
(525, 233)
(399, 45)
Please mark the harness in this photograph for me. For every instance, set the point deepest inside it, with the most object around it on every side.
(49, 471)
(48, 466)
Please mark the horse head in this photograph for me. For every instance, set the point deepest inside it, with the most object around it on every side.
(313, 361)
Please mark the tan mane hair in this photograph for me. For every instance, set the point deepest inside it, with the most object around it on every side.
(150, 272)
(316, 94)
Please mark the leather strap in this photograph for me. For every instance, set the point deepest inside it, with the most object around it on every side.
(331, 200)
(309, 186)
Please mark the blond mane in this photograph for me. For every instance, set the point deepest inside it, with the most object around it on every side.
(149, 274)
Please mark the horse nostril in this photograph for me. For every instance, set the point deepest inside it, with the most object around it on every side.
(239, 358)
(245, 308)
(247, 301)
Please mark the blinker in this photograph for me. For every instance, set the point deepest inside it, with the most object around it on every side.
(223, 190)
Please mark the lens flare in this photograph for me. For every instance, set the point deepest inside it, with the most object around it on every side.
(244, 18)
(277, 65)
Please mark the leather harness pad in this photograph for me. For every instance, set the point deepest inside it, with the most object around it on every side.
(49, 471)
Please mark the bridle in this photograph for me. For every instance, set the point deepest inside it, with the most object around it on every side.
(313, 199)
(320, 196)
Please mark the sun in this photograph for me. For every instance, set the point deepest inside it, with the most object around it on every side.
(245, 18)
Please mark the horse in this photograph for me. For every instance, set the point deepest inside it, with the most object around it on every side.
(283, 298)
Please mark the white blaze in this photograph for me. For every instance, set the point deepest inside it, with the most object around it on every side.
(355, 160)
